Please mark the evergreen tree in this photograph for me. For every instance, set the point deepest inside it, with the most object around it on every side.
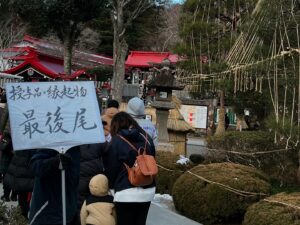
(208, 30)
(11, 27)
(65, 18)
(141, 34)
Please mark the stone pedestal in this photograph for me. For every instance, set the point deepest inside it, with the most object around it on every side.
(162, 115)
(161, 123)
(164, 146)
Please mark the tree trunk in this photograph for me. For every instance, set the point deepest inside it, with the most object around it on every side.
(68, 48)
(119, 69)
(221, 123)
(119, 53)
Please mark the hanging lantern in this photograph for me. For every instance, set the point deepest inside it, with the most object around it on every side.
(30, 72)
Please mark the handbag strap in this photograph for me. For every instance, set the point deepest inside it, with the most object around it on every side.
(131, 145)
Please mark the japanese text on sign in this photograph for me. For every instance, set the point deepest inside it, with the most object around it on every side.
(53, 115)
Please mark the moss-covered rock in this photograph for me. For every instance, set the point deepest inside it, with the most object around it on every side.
(279, 209)
(242, 147)
(169, 171)
(208, 202)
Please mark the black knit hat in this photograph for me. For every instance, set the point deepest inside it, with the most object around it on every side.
(112, 104)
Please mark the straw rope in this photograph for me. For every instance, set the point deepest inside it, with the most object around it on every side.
(282, 203)
(231, 189)
(226, 187)
(250, 153)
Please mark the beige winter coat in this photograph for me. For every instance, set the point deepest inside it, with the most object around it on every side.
(98, 208)
(98, 213)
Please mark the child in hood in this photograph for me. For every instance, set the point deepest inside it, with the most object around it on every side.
(98, 208)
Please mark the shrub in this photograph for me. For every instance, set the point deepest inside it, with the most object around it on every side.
(280, 165)
(11, 216)
(208, 202)
(246, 141)
(275, 212)
(170, 172)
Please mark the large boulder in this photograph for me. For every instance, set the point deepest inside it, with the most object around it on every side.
(219, 192)
(169, 171)
(279, 209)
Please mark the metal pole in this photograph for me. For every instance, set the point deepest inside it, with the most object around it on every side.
(63, 192)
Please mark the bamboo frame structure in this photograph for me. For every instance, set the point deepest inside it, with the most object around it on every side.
(241, 62)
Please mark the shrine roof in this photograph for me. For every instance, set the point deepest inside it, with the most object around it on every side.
(47, 59)
(45, 65)
(80, 58)
(145, 59)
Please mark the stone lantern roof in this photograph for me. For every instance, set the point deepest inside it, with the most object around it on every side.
(165, 80)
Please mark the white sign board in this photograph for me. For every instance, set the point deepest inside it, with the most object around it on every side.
(196, 116)
(53, 115)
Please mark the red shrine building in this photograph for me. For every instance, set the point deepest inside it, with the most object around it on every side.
(140, 66)
(37, 60)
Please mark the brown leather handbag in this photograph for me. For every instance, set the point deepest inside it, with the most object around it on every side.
(144, 169)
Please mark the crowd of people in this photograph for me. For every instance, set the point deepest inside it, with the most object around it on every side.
(98, 191)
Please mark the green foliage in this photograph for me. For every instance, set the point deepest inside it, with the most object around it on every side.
(64, 18)
(139, 34)
(248, 141)
(246, 147)
(142, 33)
(257, 103)
(101, 73)
(11, 216)
(207, 28)
(271, 213)
(169, 174)
(284, 129)
(210, 203)
(278, 187)
(280, 16)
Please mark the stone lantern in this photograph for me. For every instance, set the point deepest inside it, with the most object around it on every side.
(164, 82)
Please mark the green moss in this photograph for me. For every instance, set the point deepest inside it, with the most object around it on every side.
(208, 203)
(281, 165)
(269, 213)
(170, 172)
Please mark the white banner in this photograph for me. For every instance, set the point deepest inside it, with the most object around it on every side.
(53, 115)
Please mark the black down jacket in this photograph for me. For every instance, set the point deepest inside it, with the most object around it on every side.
(19, 177)
(90, 165)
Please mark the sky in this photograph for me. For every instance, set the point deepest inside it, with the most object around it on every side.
(177, 1)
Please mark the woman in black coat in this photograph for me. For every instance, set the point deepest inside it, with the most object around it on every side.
(90, 165)
(20, 178)
(132, 203)
(6, 152)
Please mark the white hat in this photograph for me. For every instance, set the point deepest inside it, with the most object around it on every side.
(136, 107)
